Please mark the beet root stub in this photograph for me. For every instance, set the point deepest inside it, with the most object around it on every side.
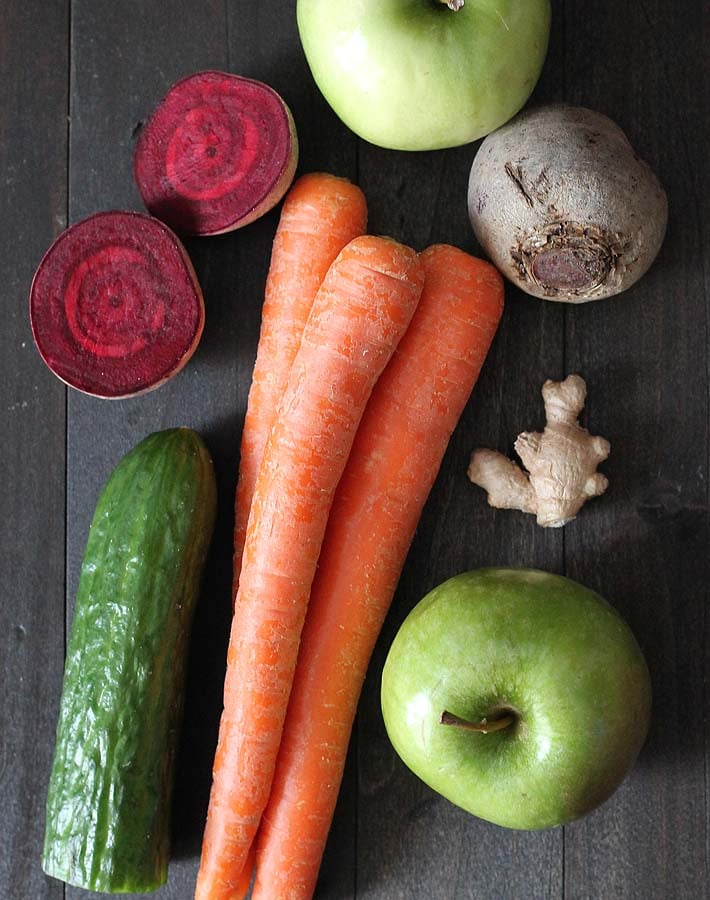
(219, 151)
(115, 305)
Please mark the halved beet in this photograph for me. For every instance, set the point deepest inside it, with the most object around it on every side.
(115, 305)
(218, 152)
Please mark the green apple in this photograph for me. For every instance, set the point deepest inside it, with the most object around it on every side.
(420, 74)
(545, 672)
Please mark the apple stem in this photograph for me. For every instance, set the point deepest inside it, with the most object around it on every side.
(483, 726)
(454, 5)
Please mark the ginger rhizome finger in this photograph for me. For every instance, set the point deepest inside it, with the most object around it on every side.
(560, 463)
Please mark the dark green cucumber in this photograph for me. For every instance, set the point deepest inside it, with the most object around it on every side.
(108, 806)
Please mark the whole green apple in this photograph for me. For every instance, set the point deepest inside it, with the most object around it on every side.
(547, 674)
(423, 74)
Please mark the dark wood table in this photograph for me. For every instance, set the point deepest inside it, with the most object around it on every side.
(76, 81)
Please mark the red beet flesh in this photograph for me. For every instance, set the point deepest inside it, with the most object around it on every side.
(219, 151)
(115, 305)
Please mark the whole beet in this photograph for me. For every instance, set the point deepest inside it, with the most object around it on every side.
(564, 207)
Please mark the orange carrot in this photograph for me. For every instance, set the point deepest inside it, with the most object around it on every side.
(320, 215)
(359, 314)
(396, 455)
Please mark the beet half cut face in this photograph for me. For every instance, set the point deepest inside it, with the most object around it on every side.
(218, 152)
(115, 305)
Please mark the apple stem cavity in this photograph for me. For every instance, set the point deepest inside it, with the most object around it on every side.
(484, 726)
(454, 5)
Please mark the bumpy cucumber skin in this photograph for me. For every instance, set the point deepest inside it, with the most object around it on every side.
(108, 805)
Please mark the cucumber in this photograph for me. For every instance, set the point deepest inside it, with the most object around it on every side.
(108, 805)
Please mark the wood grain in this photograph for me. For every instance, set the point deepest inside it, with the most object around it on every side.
(264, 44)
(124, 58)
(645, 355)
(411, 843)
(33, 148)
(645, 544)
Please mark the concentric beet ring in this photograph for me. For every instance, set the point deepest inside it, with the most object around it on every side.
(219, 151)
(115, 305)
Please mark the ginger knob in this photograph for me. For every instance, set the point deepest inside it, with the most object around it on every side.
(561, 462)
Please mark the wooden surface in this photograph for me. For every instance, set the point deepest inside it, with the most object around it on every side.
(76, 80)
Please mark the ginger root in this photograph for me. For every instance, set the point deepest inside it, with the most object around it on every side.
(561, 462)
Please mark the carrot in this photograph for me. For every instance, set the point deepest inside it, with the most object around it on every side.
(320, 215)
(359, 314)
(395, 458)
